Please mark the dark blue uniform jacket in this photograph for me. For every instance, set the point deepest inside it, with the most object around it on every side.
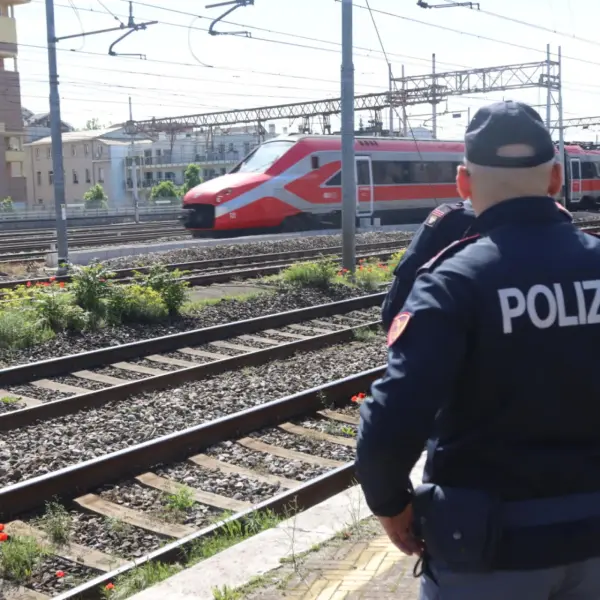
(498, 369)
(444, 225)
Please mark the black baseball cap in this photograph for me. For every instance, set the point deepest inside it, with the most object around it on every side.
(503, 124)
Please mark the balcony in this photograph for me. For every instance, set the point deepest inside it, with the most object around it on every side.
(8, 37)
(15, 156)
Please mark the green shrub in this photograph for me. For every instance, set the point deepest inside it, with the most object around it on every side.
(91, 288)
(319, 274)
(19, 556)
(136, 304)
(168, 284)
(95, 197)
(22, 328)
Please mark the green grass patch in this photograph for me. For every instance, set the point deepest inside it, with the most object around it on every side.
(9, 400)
(56, 523)
(366, 335)
(19, 556)
(231, 533)
(192, 307)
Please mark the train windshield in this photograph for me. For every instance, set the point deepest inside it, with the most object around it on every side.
(263, 157)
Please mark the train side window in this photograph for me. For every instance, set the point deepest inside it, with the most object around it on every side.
(419, 172)
(388, 172)
(363, 173)
(314, 162)
(446, 172)
(596, 170)
(587, 170)
(336, 180)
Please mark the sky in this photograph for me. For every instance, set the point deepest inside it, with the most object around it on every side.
(294, 55)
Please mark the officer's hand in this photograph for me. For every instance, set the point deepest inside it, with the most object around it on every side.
(399, 530)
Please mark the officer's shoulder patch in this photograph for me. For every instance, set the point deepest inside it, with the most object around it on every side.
(564, 210)
(397, 328)
(441, 211)
(448, 251)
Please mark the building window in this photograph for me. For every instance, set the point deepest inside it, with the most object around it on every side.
(40, 201)
(231, 148)
(39, 178)
(99, 150)
(48, 152)
(246, 147)
(86, 149)
(75, 176)
(100, 175)
(73, 150)
(88, 178)
(37, 153)
(221, 149)
(50, 177)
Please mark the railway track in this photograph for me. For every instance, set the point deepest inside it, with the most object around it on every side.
(65, 385)
(222, 466)
(312, 432)
(206, 272)
(13, 250)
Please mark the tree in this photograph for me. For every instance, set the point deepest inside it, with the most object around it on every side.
(191, 178)
(6, 204)
(95, 197)
(165, 190)
(93, 124)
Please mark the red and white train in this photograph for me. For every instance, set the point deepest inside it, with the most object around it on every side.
(293, 183)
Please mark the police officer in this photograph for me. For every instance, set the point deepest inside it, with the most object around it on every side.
(493, 364)
(444, 225)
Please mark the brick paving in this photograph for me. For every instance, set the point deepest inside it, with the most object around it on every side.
(363, 569)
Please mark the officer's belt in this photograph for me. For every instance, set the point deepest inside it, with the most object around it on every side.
(464, 528)
(549, 511)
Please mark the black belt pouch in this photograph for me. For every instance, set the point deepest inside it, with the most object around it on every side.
(460, 528)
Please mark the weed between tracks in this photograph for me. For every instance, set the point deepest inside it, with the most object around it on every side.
(323, 274)
(230, 534)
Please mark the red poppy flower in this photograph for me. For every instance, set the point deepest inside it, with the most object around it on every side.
(61, 284)
(3, 537)
(109, 586)
(53, 278)
(1, 527)
(29, 284)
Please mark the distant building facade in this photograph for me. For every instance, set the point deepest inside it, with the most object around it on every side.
(12, 156)
(89, 157)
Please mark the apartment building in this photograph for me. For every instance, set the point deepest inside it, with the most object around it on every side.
(89, 157)
(37, 126)
(12, 157)
(215, 152)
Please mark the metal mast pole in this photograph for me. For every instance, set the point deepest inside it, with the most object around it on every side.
(549, 91)
(434, 104)
(391, 82)
(404, 116)
(57, 152)
(136, 200)
(348, 160)
(561, 129)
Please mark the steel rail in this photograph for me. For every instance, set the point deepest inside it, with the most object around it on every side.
(96, 358)
(300, 498)
(97, 398)
(80, 478)
(224, 262)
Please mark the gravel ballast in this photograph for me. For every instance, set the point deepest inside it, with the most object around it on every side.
(230, 485)
(306, 445)
(262, 247)
(265, 463)
(112, 536)
(155, 504)
(226, 311)
(40, 448)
